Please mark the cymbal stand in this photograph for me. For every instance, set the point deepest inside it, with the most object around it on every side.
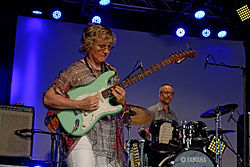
(129, 131)
(183, 123)
(186, 134)
(218, 127)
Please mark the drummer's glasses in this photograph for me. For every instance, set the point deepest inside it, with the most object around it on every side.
(167, 92)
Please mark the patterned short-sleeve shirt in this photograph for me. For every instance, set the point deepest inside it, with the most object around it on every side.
(105, 136)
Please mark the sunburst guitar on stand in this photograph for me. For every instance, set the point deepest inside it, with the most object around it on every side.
(80, 122)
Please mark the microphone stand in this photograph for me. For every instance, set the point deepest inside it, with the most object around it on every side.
(54, 146)
(229, 66)
(245, 115)
(135, 69)
(239, 158)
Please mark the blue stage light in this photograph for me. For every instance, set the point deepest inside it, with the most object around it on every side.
(37, 12)
(222, 34)
(104, 2)
(57, 14)
(206, 33)
(199, 14)
(96, 19)
(180, 32)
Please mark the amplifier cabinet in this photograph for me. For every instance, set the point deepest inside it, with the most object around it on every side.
(13, 118)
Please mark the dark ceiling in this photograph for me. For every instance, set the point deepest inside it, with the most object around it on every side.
(156, 16)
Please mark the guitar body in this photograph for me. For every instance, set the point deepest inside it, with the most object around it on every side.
(79, 122)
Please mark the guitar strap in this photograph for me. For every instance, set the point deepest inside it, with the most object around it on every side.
(104, 66)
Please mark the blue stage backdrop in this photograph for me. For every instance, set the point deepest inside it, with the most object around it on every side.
(44, 47)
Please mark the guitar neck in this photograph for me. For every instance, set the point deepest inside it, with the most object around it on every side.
(137, 77)
(174, 58)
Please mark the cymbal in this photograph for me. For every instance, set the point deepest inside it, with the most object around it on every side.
(219, 109)
(138, 115)
(209, 132)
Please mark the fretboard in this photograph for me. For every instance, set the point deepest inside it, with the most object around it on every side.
(137, 77)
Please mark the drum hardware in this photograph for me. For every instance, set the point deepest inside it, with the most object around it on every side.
(193, 134)
(166, 159)
(218, 139)
(186, 133)
(129, 113)
(217, 112)
(183, 123)
(135, 115)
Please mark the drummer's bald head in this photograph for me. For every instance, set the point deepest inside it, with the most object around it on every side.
(167, 84)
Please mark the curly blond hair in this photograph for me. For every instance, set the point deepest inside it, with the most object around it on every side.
(93, 32)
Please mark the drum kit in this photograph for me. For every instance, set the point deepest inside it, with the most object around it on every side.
(189, 144)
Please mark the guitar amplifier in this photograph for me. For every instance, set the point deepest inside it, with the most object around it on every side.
(13, 118)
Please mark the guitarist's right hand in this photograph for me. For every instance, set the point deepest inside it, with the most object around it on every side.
(90, 103)
(57, 101)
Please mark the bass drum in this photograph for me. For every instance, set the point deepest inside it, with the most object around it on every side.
(189, 158)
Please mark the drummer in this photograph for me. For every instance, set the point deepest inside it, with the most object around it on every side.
(161, 110)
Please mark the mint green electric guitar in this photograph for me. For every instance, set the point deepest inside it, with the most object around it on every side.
(79, 122)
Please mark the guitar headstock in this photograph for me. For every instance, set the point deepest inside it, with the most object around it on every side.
(178, 57)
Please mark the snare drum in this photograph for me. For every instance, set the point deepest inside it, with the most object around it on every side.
(164, 135)
(189, 158)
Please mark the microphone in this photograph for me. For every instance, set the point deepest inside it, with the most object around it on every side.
(231, 116)
(141, 66)
(205, 66)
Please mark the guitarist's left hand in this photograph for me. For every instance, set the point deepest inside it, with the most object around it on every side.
(119, 94)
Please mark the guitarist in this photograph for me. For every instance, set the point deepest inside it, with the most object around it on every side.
(102, 146)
